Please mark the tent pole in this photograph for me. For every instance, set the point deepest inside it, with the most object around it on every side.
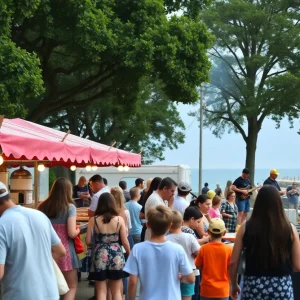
(36, 184)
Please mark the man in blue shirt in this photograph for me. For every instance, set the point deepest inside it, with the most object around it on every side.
(241, 186)
(293, 195)
(27, 244)
(272, 181)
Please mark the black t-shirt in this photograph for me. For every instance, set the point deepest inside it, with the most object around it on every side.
(242, 183)
(272, 182)
(77, 190)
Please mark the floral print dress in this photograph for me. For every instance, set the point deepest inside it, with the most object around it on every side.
(107, 256)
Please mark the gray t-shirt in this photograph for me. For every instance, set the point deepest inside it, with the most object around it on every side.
(26, 237)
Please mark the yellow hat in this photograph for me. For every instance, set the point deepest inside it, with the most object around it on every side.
(210, 194)
(216, 225)
(274, 171)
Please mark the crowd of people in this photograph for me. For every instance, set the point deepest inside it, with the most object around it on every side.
(154, 238)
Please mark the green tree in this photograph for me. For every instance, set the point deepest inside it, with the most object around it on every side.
(152, 123)
(256, 66)
(90, 50)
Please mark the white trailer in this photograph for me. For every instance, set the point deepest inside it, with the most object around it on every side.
(113, 175)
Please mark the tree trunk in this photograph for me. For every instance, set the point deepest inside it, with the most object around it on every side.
(251, 147)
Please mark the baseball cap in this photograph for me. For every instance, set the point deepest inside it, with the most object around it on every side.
(216, 225)
(274, 171)
(3, 187)
(184, 186)
(210, 194)
(246, 171)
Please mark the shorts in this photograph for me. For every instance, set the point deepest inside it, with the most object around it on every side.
(243, 205)
(187, 289)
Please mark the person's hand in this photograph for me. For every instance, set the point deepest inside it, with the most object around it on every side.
(230, 216)
(245, 192)
(205, 239)
(235, 291)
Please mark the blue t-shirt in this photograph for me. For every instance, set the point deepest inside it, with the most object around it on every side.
(272, 182)
(242, 183)
(134, 210)
(204, 190)
(157, 265)
(293, 197)
(26, 237)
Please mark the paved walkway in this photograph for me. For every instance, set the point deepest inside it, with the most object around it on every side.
(84, 291)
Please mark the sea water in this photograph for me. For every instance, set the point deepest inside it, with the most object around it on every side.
(221, 176)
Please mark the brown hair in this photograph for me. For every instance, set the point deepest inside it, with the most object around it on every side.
(229, 194)
(269, 230)
(106, 207)
(216, 200)
(134, 192)
(176, 219)
(59, 198)
(159, 219)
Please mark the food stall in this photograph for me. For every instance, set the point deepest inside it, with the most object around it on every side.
(23, 143)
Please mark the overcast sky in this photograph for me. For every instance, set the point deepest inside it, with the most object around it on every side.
(277, 148)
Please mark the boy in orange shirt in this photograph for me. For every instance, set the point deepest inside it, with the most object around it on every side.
(213, 260)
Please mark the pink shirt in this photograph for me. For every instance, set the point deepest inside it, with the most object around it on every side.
(214, 212)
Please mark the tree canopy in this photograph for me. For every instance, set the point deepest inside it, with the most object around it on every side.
(66, 60)
(90, 50)
(256, 66)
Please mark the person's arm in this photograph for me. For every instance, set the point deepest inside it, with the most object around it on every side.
(71, 223)
(123, 236)
(1, 271)
(235, 189)
(58, 251)
(295, 250)
(223, 211)
(234, 262)
(88, 237)
(185, 268)
(190, 278)
(93, 207)
(200, 229)
(132, 286)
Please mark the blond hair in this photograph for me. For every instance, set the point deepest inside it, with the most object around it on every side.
(176, 219)
(135, 191)
(118, 194)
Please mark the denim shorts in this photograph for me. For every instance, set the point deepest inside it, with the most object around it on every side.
(243, 205)
(187, 289)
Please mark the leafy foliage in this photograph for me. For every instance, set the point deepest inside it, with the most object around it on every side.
(101, 56)
(91, 49)
(256, 64)
(152, 124)
(20, 78)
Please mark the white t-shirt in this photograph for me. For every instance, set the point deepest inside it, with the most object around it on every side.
(153, 201)
(26, 238)
(180, 204)
(96, 196)
(188, 242)
(157, 265)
